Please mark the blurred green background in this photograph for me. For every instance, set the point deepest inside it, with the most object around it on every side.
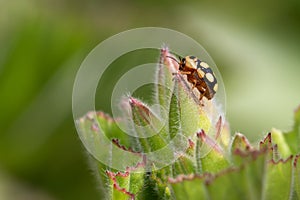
(256, 46)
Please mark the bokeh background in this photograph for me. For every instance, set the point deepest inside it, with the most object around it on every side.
(255, 44)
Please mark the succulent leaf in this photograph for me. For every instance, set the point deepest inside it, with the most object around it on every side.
(278, 179)
(296, 167)
(181, 148)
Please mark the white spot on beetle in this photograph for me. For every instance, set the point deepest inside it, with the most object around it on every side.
(204, 64)
(210, 77)
(216, 87)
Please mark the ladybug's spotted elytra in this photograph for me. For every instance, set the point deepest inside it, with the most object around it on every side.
(200, 75)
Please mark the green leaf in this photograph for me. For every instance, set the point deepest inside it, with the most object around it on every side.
(266, 146)
(293, 137)
(278, 179)
(112, 130)
(149, 129)
(240, 142)
(239, 145)
(164, 79)
(192, 115)
(229, 185)
(189, 187)
(120, 185)
(244, 182)
(283, 147)
(115, 184)
(215, 160)
(184, 165)
(297, 176)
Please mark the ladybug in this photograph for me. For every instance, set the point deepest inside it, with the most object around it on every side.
(200, 75)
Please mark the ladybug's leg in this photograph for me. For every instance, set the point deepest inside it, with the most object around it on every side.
(202, 94)
(206, 93)
(184, 72)
(200, 98)
(192, 81)
(181, 72)
(194, 84)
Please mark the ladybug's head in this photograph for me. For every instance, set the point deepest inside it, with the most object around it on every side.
(182, 63)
